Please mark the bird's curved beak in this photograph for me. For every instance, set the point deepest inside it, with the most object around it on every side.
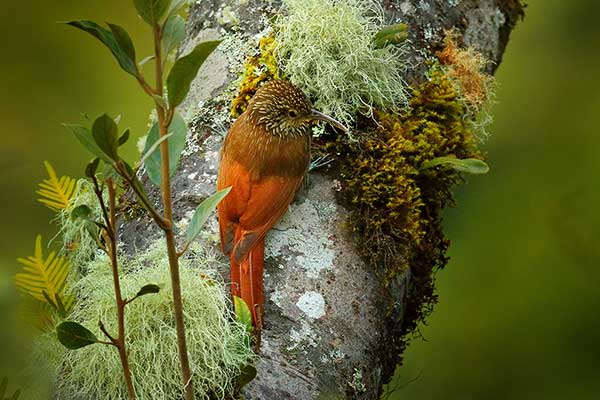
(322, 117)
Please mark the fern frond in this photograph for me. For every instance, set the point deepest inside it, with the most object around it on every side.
(44, 279)
(56, 193)
(39, 315)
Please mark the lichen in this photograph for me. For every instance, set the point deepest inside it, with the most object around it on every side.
(216, 342)
(326, 48)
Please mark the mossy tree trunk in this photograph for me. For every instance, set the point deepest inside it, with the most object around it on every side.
(329, 332)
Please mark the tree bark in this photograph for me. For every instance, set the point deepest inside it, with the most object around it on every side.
(328, 332)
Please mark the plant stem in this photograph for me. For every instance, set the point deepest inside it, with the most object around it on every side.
(164, 120)
(120, 340)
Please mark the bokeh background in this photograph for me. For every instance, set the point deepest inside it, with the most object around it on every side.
(518, 316)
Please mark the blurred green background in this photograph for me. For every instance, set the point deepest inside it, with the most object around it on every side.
(518, 313)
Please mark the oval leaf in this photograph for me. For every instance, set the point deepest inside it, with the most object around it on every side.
(148, 289)
(123, 55)
(123, 40)
(124, 137)
(391, 34)
(74, 336)
(92, 167)
(176, 144)
(247, 374)
(106, 135)
(173, 34)
(242, 312)
(152, 11)
(84, 136)
(203, 212)
(185, 70)
(177, 6)
(81, 211)
(468, 165)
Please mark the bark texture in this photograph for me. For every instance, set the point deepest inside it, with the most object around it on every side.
(329, 332)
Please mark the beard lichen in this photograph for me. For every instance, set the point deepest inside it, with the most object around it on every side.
(217, 344)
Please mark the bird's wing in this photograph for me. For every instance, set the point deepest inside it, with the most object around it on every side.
(229, 210)
(268, 200)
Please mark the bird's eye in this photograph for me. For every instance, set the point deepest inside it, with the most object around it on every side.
(292, 114)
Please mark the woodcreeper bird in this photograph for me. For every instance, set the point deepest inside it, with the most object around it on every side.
(264, 159)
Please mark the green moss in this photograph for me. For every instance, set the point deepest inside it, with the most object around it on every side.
(396, 206)
(258, 69)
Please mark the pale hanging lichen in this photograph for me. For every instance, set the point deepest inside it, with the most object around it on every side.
(216, 343)
(326, 48)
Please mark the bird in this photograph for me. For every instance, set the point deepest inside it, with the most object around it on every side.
(264, 159)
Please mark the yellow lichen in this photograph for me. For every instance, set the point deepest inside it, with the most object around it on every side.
(258, 69)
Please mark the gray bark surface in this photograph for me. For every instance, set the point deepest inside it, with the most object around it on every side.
(328, 331)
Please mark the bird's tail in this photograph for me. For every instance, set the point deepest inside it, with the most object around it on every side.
(247, 282)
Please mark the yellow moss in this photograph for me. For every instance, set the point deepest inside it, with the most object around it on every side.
(396, 206)
(258, 69)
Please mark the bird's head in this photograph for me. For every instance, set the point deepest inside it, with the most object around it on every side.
(285, 111)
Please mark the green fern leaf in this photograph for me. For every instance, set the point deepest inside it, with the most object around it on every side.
(56, 193)
(45, 279)
(39, 315)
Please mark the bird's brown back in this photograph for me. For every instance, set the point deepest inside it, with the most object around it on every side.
(264, 154)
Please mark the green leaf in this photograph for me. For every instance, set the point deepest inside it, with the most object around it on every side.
(177, 6)
(124, 137)
(84, 136)
(123, 40)
(242, 313)
(148, 289)
(153, 148)
(81, 211)
(152, 11)
(114, 44)
(247, 374)
(75, 336)
(203, 212)
(62, 311)
(92, 167)
(106, 135)
(391, 34)
(176, 144)
(92, 230)
(173, 34)
(468, 165)
(185, 70)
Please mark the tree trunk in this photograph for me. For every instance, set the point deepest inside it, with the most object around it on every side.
(329, 332)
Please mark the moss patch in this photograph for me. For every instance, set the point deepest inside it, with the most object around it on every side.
(396, 206)
(258, 69)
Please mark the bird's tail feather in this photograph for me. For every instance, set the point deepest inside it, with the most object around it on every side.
(247, 282)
